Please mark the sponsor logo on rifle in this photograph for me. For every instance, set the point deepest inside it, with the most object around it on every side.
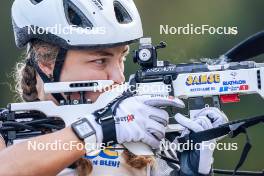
(235, 82)
(202, 89)
(233, 88)
(244, 87)
(162, 69)
(202, 79)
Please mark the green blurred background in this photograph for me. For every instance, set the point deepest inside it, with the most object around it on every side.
(247, 15)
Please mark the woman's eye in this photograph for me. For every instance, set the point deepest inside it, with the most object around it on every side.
(100, 61)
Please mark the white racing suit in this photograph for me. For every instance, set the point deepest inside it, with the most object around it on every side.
(112, 163)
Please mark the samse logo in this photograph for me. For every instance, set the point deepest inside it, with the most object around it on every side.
(202, 79)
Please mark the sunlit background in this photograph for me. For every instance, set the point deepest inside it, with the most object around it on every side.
(247, 15)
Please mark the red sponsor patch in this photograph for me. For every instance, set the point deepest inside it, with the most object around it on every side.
(244, 87)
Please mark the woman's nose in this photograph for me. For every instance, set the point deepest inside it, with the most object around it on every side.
(116, 73)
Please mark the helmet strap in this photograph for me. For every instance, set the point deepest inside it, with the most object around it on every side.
(56, 72)
(59, 64)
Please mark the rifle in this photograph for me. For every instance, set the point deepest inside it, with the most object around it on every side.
(222, 81)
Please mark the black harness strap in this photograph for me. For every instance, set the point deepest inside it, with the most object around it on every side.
(233, 129)
(105, 117)
(245, 152)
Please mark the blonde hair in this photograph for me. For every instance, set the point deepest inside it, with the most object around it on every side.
(26, 82)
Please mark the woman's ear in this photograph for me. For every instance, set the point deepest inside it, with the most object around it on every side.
(47, 68)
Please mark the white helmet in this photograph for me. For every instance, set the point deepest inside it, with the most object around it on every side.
(76, 23)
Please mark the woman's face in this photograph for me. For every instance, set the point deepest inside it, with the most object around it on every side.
(101, 64)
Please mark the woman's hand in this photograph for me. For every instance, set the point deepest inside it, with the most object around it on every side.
(140, 119)
(202, 160)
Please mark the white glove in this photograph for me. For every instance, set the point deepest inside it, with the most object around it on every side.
(147, 121)
(201, 122)
(140, 119)
(216, 116)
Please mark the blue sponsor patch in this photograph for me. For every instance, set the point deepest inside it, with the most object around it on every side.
(223, 89)
(234, 82)
(228, 88)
